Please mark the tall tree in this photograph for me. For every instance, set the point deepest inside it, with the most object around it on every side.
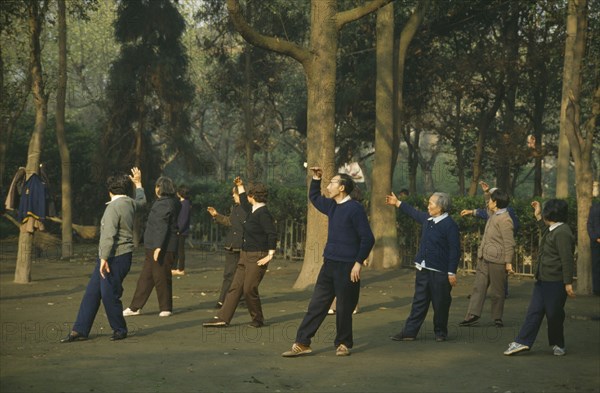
(36, 12)
(65, 157)
(581, 137)
(320, 66)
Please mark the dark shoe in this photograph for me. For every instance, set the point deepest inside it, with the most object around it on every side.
(73, 336)
(470, 321)
(440, 339)
(118, 336)
(218, 305)
(402, 337)
(215, 322)
(256, 324)
(498, 323)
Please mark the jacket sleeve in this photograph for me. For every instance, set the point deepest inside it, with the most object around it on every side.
(244, 203)
(320, 203)
(481, 213)
(508, 239)
(415, 214)
(222, 220)
(163, 220)
(140, 198)
(268, 226)
(183, 219)
(565, 247)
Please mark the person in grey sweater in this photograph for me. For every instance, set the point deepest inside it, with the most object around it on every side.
(554, 279)
(115, 251)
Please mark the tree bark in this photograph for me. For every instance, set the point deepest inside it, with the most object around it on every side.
(36, 11)
(65, 158)
(319, 63)
(385, 252)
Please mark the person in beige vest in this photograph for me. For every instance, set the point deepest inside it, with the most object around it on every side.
(494, 260)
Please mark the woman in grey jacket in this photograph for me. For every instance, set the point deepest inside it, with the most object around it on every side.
(160, 242)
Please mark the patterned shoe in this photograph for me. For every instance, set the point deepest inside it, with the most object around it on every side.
(558, 351)
(342, 350)
(515, 347)
(297, 350)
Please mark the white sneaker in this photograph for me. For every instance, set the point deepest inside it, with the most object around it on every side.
(165, 314)
(558, 351)
(515, 347)
(129, 312)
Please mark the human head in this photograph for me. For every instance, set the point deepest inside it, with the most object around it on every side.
(500, 197)
(258, 192)
(118, 184)
(164, 187)
(555, 210)
(439, 203)
(183, 191)
(340, 185)
(403, 193)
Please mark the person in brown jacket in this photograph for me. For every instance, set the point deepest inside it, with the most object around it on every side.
(494, 260)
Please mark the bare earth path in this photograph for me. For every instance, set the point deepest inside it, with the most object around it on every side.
(176, 354)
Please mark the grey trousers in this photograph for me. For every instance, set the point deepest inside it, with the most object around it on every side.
(493, 276)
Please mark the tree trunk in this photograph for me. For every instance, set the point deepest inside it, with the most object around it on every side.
(248, 121)
(458, 147)
(67, 230)
(385, 252)
(36, 12)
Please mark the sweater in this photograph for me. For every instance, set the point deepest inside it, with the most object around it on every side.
(555, 258)
(259, 232)
(116, 226)
(498, 243)
(440, 243)
(161, 227)
(183, 219)
(349, 235)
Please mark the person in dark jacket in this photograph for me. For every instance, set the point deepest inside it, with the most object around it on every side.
(349, 242)
(115, 251)
(554, 279)
(436, 263)
(183, 229)
(233, 241)
(160, 243)
(258, 249)
(593, 227)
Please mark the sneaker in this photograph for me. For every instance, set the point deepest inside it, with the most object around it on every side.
(165, 314)
(331, 311)
(498, 323)
(342, 350)
(474, 320)
(297, 350)
(401, 337)
(515, 347)
(558, 351)
(215, 322)
(178, 272)
(129, 312)
(440, 339)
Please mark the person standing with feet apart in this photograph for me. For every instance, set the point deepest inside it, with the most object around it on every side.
(554, 279)
(349, 242)
(258, 249)
(160, 243)
(436, 262)
(114, 259)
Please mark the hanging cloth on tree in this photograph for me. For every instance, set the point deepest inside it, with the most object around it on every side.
(33, 205)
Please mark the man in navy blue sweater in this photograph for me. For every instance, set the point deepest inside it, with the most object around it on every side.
(349, 242)
(436, 263)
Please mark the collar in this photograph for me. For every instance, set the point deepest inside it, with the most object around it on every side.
(115, 197)
(344, 200)
(257, 206)
(555, 225)
(438, 218)
(500, 211)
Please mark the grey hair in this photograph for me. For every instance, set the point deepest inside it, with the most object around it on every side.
(443, 201)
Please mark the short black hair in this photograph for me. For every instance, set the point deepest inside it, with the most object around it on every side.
(118, 184)
(259, 192)
(165, 185)
(404, 191)
(347, 182)
(501, 198)
(184, 191)
(555, 210)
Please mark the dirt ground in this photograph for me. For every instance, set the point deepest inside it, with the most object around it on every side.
(176, 354)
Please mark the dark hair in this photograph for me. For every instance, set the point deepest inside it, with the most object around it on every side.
(347, 182)
(501, 198)
(165, 185)
(555, 210)
(118, 184)
(404, 191)
(259, 192)
(184, 191)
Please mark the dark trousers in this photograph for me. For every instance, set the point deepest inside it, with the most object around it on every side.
(155, 274)
(430, 287)
(246, 280)
(333, 281)
(595, 266)
(179, 260)
(109, 290)
(548, 299)
(231, 261)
